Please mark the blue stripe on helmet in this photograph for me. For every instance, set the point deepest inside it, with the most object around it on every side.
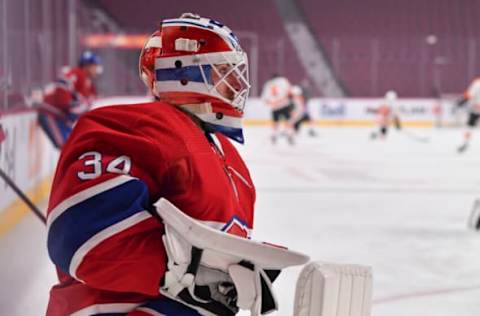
(187, 22)
(189, 73)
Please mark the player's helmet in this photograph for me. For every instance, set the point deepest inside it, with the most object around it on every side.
(179, 64)
(89, 58)
(296, 90)
(391, 95)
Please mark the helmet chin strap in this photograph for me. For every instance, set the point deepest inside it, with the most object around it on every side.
(233, 133)
(205, 108)
(198, 108)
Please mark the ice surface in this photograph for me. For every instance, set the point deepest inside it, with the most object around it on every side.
(398, 205)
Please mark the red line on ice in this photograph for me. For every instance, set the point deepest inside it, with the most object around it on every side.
(401, 297)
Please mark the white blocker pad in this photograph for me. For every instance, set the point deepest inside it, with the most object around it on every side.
(474, 219)
(328, 289)
(221, 250)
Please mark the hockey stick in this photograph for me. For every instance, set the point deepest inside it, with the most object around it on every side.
(415, 137)
(22, 195)
(19, 192)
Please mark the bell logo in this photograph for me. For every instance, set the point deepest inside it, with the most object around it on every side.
(333, 110)
(236, 227)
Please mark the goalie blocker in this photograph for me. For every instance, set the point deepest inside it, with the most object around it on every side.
(216, 273)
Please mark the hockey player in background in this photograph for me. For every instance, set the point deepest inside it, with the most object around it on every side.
(276, 94)
(300, 113)
(65, 99)
(103, 233)
(471, 100)
(386, 115)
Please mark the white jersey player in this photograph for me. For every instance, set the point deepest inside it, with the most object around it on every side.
(276, 94)
(300, 113)
(387, 115)
(472, 99)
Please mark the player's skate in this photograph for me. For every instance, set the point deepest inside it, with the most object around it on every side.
(474, 220)
(461, 149)
(290, 140)
(273, 139)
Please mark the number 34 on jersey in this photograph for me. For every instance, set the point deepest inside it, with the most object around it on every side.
(92, 163)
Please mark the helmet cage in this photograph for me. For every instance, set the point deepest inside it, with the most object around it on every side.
(195, 75)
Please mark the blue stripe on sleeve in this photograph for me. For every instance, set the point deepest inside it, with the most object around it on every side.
(82, 221)
(168, 307)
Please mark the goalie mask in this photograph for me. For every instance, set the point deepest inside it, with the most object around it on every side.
(197, 63)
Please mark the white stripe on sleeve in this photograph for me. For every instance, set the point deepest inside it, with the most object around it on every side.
(84, 195)
(103, 235)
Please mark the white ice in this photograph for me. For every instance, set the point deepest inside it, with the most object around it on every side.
(397, 205)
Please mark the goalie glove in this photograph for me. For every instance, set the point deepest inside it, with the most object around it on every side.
(256, 292)
(209, 291)
(216, 273)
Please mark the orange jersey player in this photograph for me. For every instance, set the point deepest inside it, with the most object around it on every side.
(472, 100)
(276, 94)
(386, 116)
(300, 113)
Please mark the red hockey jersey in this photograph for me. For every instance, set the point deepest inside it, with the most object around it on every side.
(69, 96)
(58, 100)
(80, 83)
(117, 162)
(385, 114)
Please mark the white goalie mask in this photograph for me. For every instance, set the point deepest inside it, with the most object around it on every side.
(198, 64)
